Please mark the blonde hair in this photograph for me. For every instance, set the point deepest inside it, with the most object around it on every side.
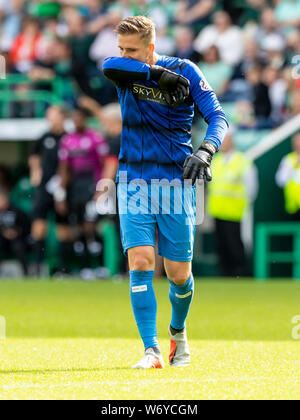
(140, 25)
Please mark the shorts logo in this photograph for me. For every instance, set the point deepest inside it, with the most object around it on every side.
(142, 288)
(205, 85)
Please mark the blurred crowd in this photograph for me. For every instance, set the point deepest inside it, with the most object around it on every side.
(249, 51)
(246, 49)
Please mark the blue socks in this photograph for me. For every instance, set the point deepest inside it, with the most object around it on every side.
(181, 298)
(144, 305)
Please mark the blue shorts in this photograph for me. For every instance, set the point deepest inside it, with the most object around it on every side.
(171, 210)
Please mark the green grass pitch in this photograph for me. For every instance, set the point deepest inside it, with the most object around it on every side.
(75, 340)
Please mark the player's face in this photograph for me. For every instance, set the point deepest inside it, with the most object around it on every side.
(132, 46)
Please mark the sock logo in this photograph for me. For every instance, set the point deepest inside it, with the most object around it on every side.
(183, 296)
(142, 288)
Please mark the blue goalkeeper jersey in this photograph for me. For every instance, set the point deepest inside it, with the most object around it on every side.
(157, 138)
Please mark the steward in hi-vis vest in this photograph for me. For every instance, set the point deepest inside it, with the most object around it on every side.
(228, 199)
(288, 178)
(233, 188)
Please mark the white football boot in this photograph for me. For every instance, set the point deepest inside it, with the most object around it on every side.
(179, 350)
(150, 360)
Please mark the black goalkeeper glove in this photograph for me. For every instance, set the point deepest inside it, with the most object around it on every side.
(197, 165)
(174, 87)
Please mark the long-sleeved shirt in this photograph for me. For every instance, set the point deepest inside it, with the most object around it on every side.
(157, 138)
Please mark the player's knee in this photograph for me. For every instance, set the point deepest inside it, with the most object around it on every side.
(141, 258)
(142, 261)
(179, 278)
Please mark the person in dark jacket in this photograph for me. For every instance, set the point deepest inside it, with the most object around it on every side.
(14, 231)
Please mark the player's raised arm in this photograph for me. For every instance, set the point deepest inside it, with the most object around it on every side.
(198, 164)
(121, 71)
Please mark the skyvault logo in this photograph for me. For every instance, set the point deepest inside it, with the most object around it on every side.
(148, 94)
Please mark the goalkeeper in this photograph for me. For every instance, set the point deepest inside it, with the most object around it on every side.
(157, 96)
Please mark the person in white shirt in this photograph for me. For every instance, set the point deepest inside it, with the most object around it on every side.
(224, 35)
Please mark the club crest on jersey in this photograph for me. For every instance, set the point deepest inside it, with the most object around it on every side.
(205, 85)
(147, 93)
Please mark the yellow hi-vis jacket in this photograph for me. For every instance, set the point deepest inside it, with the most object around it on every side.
(292, 188)
(227, 194)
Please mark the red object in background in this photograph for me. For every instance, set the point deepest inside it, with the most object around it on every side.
(24, 50)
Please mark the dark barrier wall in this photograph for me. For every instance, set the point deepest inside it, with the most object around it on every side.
(269, 205)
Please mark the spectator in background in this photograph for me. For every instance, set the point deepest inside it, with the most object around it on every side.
(239, 89)
(273, 50)
(268, 27)
(12, 17)
(242, 12)
(252, 55)
(243, 115)
(233, 188)
(49, 33)
(84, 69)
(43, 67)
(105, 44)
(216, 72)
(224, 35)
(22, 55)
(82, 163)
(260, 98)
(63, 70)
(122, 7)
(287, 14)
(24, 50)
(93, 9)
(293, 48)
(153, 9)
(277, 88)
(288, 178)
(43, 164)
(184, 40)
(14, 231)
(56, 63)
(194, 13)
(160, 12)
